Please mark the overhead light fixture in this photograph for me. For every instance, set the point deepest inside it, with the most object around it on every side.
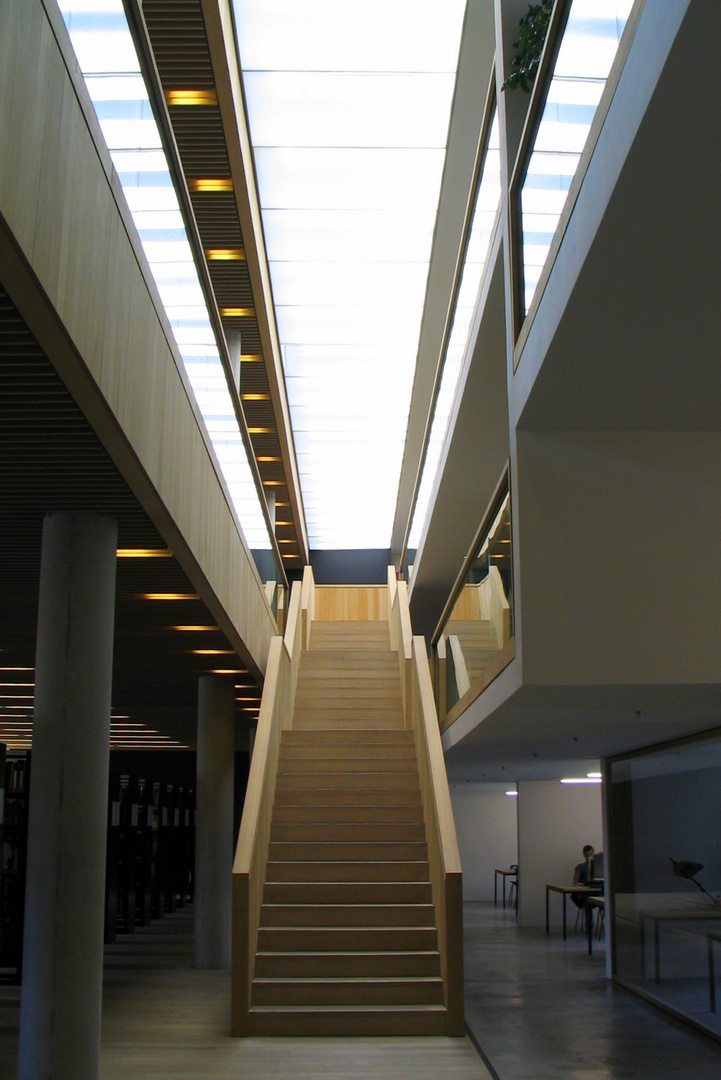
(195, 629)
(255, 397)
(191, 97)
(581, 780)
(594, 775)
(237, 312)
(261, 431)
(512, 794)
(17, 669)
(202, 186)
(212, 652)
(224, 254)
(280, 524)
(227, 671)
(251, 358)
(144, 553)
(167, 596)
(274, 483)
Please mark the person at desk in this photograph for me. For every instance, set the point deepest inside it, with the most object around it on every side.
(583, 875)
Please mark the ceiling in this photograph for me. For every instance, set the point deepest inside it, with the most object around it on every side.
(51, 460)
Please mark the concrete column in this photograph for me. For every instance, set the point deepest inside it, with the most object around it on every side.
(64, 905)
(214, 822)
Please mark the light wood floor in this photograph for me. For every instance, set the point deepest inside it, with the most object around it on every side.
(162, 1018)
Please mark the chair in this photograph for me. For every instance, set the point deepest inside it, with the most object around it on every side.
(513, 889)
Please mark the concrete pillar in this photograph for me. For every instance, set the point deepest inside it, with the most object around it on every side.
(64, 905)
(214, 822)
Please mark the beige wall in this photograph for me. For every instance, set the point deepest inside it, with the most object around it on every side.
(555, 821)
(619, 554)
(486, 828)
(72, 263)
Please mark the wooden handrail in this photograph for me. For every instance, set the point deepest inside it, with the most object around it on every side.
(392, 589)
(251, 854)
(399, 627)
(443, 855)
(463, 682)
(308, 604)
(499, 608)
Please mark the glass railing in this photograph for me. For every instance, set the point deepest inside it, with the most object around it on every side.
(574, 87)
(664, 808)
(487, 198)
(108, 60)
(475, 640)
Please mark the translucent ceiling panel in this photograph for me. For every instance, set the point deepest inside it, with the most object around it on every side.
(106, 54)
(348, 108)
(488, 198)
(589, 45)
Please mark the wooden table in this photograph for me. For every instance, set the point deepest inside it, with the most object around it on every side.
(507, 871)
(566, 890)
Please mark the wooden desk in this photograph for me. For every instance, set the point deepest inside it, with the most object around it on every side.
(507, 871)
(566, 890)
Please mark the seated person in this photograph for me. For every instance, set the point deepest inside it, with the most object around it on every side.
(583, 875)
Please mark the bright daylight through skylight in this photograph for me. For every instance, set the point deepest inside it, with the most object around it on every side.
(348, 108)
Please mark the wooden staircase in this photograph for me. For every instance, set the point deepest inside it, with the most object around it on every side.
(347, 942)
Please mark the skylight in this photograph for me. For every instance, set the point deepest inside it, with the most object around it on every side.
(348, 108)
(106, 54)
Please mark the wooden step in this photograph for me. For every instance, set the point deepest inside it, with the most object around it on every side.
(355, 750)
(348, 991)
(405, 870)
(309, 764)
(349, 1020)
(347, 939)
(294, 796)
(331, 721)
(292, 737)
(366, 781)
(349, 965)
(347, 892)
(346, 813)
(337, 852)
(357, 832)
(346, 915)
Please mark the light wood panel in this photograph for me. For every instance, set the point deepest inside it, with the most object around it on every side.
(74, 266)
(354, 602)
(443, 854)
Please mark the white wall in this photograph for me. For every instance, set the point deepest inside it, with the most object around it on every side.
(555, 821)
(487, 832)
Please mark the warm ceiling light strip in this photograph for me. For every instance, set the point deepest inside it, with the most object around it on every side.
(261, 431)
(211, 185)
(212, 652)
(224, 254)
(273, 483)
(237, 312)
(144, 553)
(17, 669)
(191, 97)
(251, 358)
(227, 671)
(255, 397)
(270, 457)
(194, 629)
(167, 596)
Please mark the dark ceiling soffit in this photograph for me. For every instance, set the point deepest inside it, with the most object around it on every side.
(160, 111)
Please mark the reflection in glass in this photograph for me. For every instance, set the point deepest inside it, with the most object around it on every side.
(588, 49)
(477, 639)
(665, 809)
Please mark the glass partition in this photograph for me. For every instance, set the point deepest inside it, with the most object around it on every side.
(664, 814)
(588, 47)
(476, 636)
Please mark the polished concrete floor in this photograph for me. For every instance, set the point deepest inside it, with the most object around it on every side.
(542, 1009)
(536, 1008)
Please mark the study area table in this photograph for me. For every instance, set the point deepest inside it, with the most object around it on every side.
(507, 871)
(566, 890)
